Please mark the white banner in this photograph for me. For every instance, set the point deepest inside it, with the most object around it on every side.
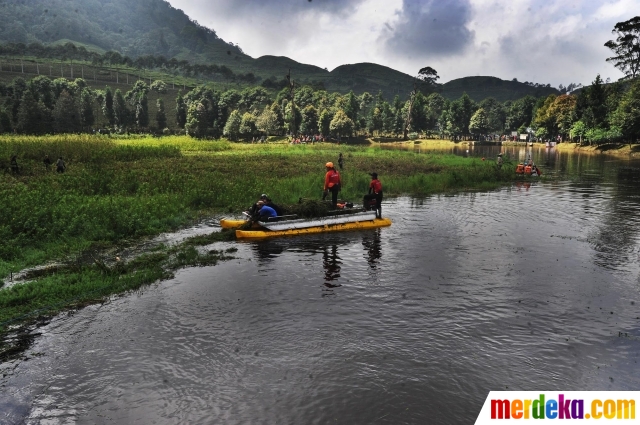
(522, 406)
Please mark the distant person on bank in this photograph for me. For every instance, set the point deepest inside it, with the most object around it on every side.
(14, 164)
(61, 167)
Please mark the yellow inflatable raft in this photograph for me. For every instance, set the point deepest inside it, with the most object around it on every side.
(358, 225)
(227, 223)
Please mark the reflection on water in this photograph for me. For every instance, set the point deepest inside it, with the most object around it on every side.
(331, 263)
(533, 286)
(372, 245)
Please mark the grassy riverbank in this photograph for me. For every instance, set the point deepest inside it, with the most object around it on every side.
(122, 189)
(619, 150)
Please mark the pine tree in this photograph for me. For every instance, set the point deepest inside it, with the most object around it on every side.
(120, 111)
(181, 111)
(107, 107)
(86, 108)
(142, 111)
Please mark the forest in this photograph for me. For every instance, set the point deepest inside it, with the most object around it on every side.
(596, 114)
(602, 112)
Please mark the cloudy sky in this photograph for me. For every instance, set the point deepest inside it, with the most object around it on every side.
(542, 41)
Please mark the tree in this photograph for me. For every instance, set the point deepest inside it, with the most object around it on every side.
(292, 117)
(120, 111)
(520, 113)
(626, 47)
(351, 106)
(5, 122)
(398, 121)
(365, 101)
(276, 109)
(196, 125)
(375, 120)
(496, 114)
(324, 122)
(86, 108)
(627, 116)
(137, 97)
(253, 97)
(479, 122)
(107, 106)
(562, 110)
(248, 124)
(341, 124)
(578, 129)
(181, 111)
(42, 89)
(591, 105)
(161, 117)
(543, 116)
(33, 117)
(66, 114)
(159, 86)
(309, 124)
(460, 113)
(387, 116)
(232, 127)
(267, 122)
(428, 75)
(142, 111)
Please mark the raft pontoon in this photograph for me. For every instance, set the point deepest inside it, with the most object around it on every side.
(291, 225)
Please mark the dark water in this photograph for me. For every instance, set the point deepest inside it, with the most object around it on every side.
(531, 287)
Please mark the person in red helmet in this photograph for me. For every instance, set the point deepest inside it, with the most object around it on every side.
(331, 183)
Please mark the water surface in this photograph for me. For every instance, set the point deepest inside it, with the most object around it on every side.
(530, 287)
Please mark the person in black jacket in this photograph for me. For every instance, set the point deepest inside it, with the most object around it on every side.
(375, 192)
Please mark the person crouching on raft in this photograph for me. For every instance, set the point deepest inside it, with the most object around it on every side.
(375, 192)
(265, 211)
(331, 184)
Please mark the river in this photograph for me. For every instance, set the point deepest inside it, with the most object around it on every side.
(530, 287)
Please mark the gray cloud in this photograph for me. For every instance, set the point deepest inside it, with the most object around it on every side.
(281, 9)
(430, 28)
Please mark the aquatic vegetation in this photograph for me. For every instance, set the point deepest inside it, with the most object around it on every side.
(122, 188)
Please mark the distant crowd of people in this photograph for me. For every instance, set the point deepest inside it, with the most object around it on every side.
(296, 140)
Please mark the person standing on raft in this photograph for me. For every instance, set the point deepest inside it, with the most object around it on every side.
(331, 184)
(375, 192)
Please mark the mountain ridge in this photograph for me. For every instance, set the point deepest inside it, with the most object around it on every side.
(155, 27)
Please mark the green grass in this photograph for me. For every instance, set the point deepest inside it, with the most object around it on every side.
(125, 188)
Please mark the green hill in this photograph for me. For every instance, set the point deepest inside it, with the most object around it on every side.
(153, 27)
(479, 88)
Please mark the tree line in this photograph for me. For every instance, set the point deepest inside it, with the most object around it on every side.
(598, 113)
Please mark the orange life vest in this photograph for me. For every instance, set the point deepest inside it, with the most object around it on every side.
(331, 179)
